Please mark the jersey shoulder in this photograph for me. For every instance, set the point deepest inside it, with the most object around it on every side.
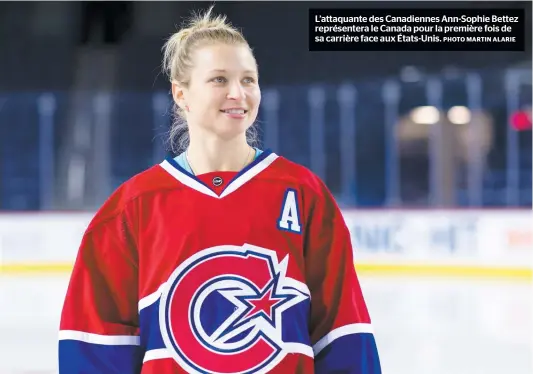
(299, 175)
(314, 193)
(152, 180)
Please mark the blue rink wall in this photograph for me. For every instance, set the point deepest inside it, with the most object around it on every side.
(450, 243)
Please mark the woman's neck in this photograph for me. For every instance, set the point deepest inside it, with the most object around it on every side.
(205, 156)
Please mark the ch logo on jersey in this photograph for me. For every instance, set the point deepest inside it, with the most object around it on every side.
(222, 310)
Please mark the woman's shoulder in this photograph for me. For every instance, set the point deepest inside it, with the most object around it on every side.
(300, 175)
(149, 181)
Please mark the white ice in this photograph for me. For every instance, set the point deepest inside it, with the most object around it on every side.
(422, 326)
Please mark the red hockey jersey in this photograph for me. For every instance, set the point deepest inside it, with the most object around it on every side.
(248, 272)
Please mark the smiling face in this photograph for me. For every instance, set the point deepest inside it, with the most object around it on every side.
(222, 96)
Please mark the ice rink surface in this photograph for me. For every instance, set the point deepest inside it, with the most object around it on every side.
(422, 326)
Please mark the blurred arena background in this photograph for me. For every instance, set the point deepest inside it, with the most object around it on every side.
(428, 153)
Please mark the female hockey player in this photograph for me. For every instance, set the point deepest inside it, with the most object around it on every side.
(225, 259)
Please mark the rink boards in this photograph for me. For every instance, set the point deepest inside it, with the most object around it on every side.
(478, 243)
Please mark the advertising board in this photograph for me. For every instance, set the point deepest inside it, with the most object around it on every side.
(432, 242)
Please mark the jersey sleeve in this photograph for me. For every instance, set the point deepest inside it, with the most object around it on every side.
(341, 329)
(99, 328)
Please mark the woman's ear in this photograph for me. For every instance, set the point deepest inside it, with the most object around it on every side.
(178, 93)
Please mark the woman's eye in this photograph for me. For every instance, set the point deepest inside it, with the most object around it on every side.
(219, 80)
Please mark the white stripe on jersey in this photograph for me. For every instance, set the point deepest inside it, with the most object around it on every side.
(156, 354)
(99, 339)
(303, 349)
(232, 187)
(163, 353)
(152, 298)
(249, 174)
(355, 328)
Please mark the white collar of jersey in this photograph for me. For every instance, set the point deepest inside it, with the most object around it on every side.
(246, 174)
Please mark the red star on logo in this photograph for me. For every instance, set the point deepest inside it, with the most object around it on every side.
(263, 303)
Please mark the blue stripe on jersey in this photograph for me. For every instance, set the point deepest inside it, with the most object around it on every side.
(295, 328)
(294, 325)
(350, 354)
(151, 337)
(79, 357)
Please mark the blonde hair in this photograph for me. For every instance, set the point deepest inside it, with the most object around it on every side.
(201, 30)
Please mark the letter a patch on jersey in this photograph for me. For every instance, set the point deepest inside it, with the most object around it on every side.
(289, 219)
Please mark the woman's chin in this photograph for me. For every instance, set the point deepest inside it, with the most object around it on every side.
(231, 129)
